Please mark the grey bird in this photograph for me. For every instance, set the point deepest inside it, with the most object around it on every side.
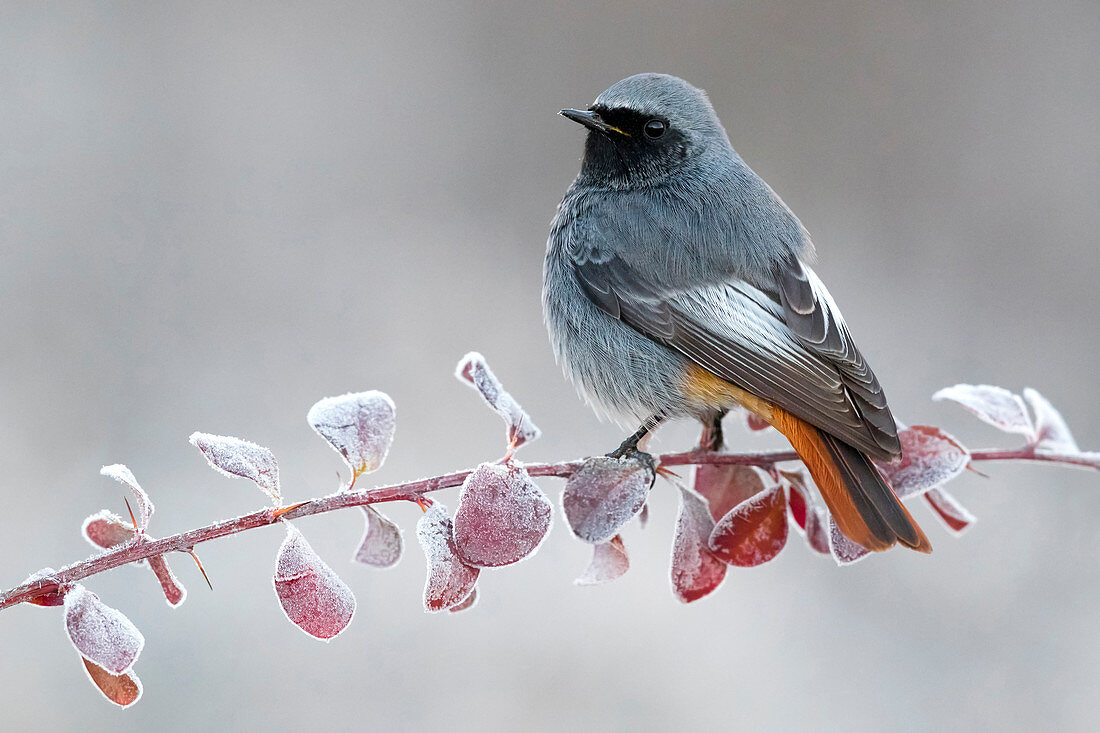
(675, 286)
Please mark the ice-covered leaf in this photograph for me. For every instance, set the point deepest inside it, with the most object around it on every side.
(100, 633)
(1051, 431)
(105, 530)
(994, 405)
(844, 550)
(502, 516)
(726, 486)
(817, 532)
(798, 496)
(449, 580)
(753, 532)
(929, 457)
(954, 515)
(54, 596)
(470, 602)
(359, 426)
(382, 544)
(604, 494)
(475, 371)
(311, 595)
(694, 570)
(609, 561)
(124, 476)
(174, 592)
(236, 457)
(121, 689)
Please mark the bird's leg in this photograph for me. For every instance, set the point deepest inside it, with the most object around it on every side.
(711, 439)
(629, 447)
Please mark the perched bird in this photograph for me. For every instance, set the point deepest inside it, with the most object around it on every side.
(674, 286)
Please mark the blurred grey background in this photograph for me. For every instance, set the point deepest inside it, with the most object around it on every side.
(212, 215)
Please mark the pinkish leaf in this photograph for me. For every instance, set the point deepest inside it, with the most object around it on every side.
(121, 689)
(995, 405)
(470, 602)
(475, 371)
(311, 595)
(726, 486)
(54, 597)
(236, 457)
(929, 457)
(382, 544)
(817, 534)
(643, 516)
(954, 515)
(502, 516)
(695, 571)
(798, 496)
(124, 476)
(359, 426)
(100, 633)
(174, 592)
(1051, 431)
(755, 422)
(753, 532)
(604, 494)
(106, 530)
(609, 561)
(449, 580)
(844, 550)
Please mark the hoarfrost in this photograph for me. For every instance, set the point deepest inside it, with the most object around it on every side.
(844, 550)
(236, 457)
(382, 544)
(1051, 431)
(502, 516)
(954, 515)
(470, 602)
(360, 426)
(609, 561)
(995, 405)
(753, 532)
(311, 595)
(123, 475)
(604, 494)
(449, 580)
(929, 457)
(475, 371)
(121, 689)
(726, 486)
(100, 633)
(694, 569)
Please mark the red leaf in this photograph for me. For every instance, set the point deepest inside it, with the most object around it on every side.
(124, 476)
(609, 561)
(174, 592)
(502, 516)
(929, 457)
(726, 486)
(995, 405)
(123, 689)
(470, 602)
(695, 571)
(755, 422)
(100, 633)
(311, 595)
(382, 544)
(359, 426)
(643, 516)
(449, 580)
(753, 532)
(54, 596)
(604, 494)
(844, 550)
(236, 457)
(953, 514)
(817, 536)
(1051, 431)
(106, 530)
(798, 496)
(475, 371)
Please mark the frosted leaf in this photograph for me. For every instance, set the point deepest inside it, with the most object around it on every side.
(475, 371)
(643, 516)
(236, 457)
(382, 544)
(609, 561)
(124, 476)
(954, 515)
(604, 494)
(929, 457)
(726, 486)
(449, 579)
(54, 597)
(798, 497)
(359, 426)
(753, 532)
(174, 592)
(694, 570)
(994, 405)
(470, 602)
(844, 550)
(817, 533)
(121, 689)
(502, 516)
(100, 633)
(755, 422)
(311, 595)
(105, 530)
(1051, 431)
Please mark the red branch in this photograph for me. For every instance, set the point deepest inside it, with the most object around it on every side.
(142, 548)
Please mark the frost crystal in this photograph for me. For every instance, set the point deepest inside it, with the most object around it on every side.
(475, 371)
(124, 476)
(726, 486)
(604, 494)
(359, 426)
(694, 571)
(382, 543)
(236, 457)
(1051, 431)
(844, 550)
(449, 580)
(994, 405)
(502, 516)
(929, 457)
(311, 595)
(609, 561)
(753, 532)
(122, 689)
(954, 515)
(100, 633)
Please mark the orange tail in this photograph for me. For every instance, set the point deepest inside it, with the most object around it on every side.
(864, 506)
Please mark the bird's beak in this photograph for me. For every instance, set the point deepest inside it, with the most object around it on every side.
(592, 121)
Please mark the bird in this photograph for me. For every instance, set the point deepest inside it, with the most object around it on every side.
(676, 285)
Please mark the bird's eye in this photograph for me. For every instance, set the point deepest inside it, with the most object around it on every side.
(655, 128)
